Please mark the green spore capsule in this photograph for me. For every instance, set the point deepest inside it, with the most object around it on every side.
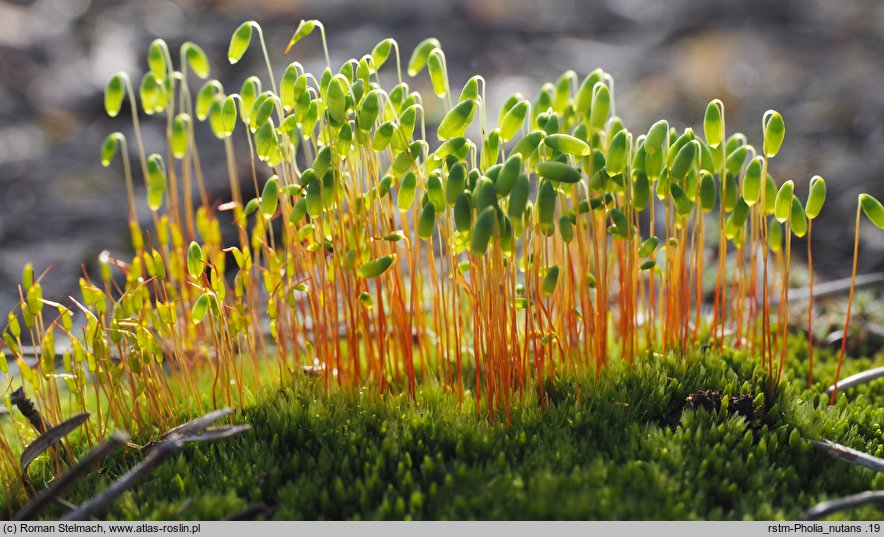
(407, 189)
(816, 197)
(508, 174)
(657, 137)
(178, 139)
(456, 183)
(528, 144)
(314, 198)
(421, 54)
(550, 280)
(513, 120)
(457, 120)
(239, 42)
(563, 91)
(783, 204)
(376, 267)
(732, 193)
(436, 67)
(369, 109)
(620, 225)
(228, 115)
(546, 204)
(205, 97)
(471, 89)
(735, 159)
(484, 194)
(156, 58)
(798, 219)
(600, 107)
(483, 231)
(648, 265)
(427, 222)
(381, 52)
(736, 219)
(156, 181)
(683, 161)
(518, 199)
(707, 191)
(200, 308)
(583, 99)
(617, 153)
(336, 99)
(873, 209)
(641, 192)
(713, 123)
(382, 136)
(775, 236)
(566, 143)
(251, 206)
(270, 197)
(752, 181)
(557, 171)
(435, 192)
(770, 194)
(366, 300)
(566, 230)
(266, 141)
(453, 147)
(298, 211)
(195, 265)
(114, 92)
(774, 132)
(648, 246)
(683, 204)
(109, 148)
(463, 212)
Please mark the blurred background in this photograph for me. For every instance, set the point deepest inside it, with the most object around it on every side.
(820, 63)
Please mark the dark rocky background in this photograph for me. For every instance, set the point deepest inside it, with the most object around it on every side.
(820, 63)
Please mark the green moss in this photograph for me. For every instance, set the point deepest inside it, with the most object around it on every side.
(626, 450)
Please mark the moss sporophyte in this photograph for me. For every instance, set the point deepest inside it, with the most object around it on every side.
(378, 246)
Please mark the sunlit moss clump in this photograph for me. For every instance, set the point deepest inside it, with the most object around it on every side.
(493, 253)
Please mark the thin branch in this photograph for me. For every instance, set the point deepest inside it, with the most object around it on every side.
(850, 455)
(49, 438)
(842, 504)
(52, 492)
(858, 379)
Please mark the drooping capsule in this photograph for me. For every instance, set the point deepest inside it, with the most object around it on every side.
(774, 131)
(648, 246)
(375, 267)
(195, 265)
(707, 192)
(407, 189)
(713, 123)
(798, 218)
(557, 171)
(816, 197)
(783, 203)
(270, 197)
(508, 174)
(546, 205)
(752, 181)
(872, 209)
(550, 280)
(426, 222)
(513, 120)
(457, 120)
(566, 143)
(483, 231)
(421, 54)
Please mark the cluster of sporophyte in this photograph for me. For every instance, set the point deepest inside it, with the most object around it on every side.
(372, 249)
